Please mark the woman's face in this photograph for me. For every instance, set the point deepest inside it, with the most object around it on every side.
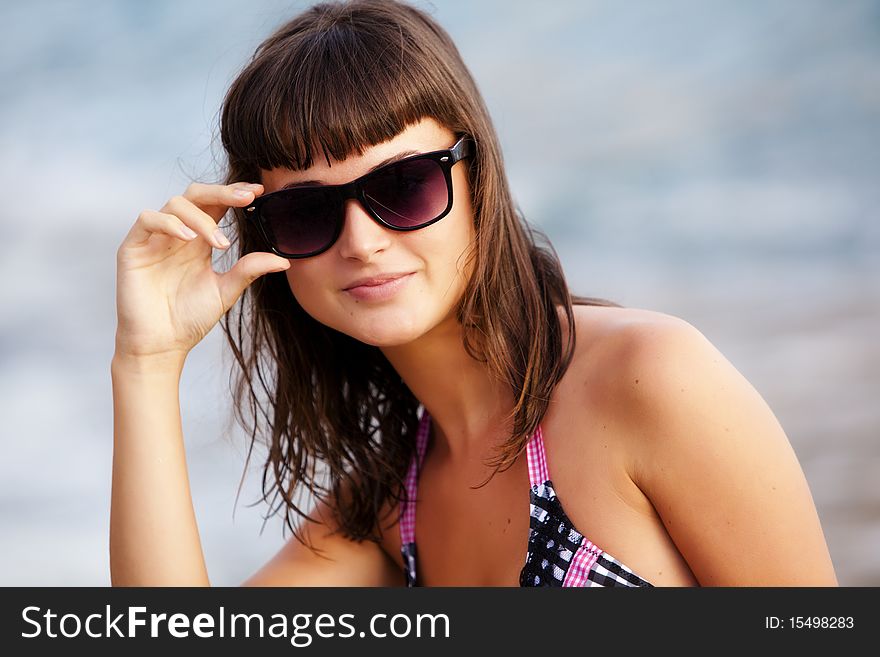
(431, 259)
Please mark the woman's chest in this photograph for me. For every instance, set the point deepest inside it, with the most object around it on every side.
(471, 535)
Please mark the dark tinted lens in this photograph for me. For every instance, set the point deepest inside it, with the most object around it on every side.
(300, 221)
(409, 193)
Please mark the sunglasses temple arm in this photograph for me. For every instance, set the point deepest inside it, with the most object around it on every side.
(462, 149)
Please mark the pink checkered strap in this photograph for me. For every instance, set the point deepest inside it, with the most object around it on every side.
(408, 520)
(581, 563)
(538, 473)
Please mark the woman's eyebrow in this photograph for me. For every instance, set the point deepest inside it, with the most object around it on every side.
(389, 160)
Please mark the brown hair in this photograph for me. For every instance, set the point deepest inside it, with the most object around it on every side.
(336, 79)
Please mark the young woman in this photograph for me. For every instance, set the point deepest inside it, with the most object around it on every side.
(413, 357)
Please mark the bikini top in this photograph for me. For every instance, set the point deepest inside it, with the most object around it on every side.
(557, 554)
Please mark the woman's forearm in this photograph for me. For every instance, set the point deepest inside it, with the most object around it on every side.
(154, 537)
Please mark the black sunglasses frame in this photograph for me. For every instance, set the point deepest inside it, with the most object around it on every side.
(355, 189)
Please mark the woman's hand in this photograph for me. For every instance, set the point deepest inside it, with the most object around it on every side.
(168, 297)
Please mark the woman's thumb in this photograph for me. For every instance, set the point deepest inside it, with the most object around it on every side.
(248, 269)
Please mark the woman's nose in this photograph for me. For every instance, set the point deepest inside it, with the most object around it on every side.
(362, 236)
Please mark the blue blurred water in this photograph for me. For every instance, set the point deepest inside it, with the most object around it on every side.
(714, 160)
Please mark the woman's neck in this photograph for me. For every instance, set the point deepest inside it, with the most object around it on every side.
(468, 407)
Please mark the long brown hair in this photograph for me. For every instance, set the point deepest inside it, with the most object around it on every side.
(336, 79)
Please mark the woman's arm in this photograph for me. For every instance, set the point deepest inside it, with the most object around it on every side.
(341, 561)
(154, 539)
(716, 464)
(168, 297)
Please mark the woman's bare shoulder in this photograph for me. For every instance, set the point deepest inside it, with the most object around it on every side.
(607, 334)
(648, 365)
(705, 448)
(606, 320)
(608, 371)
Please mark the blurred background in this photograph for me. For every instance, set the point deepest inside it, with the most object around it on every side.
(713, 160)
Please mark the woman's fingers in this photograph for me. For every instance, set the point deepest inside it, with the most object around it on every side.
(150, 222)
(215, 200)
(248, 269)
(202, 205)
(199, 221)
(195, 212)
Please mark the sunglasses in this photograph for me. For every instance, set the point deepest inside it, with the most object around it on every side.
(408, 194)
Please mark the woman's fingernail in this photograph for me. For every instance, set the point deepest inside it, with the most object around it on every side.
(220, 238)
(242, 193)
(188, 232)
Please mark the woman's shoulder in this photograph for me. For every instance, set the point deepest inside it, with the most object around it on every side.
(615, 376)
(699, 441)
(622, 336)
(655, 384)
(611, 320)
(613, 342)
(647, 364)
(668, 387)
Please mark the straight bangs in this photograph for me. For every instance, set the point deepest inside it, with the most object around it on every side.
(331, 91)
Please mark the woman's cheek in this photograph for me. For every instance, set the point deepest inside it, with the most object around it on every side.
(308, 295)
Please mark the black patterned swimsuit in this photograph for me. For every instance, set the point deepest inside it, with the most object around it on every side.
(558, 554)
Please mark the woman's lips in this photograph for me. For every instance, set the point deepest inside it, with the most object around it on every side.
(379, 292)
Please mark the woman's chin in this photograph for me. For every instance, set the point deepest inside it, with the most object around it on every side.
(388, 335)
(385, 328)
